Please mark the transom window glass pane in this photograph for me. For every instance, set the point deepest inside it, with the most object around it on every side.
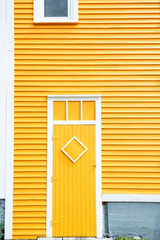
(89, 110)
(59, 110)
(74, 110)
(56, 8)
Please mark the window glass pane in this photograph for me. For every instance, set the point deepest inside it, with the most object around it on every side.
(74, 111)
(89, 110)
(59, 110)
(56, 8)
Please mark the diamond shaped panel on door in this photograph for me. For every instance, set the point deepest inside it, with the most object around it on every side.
(74, 149)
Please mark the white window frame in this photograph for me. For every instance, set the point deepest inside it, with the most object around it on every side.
(40, 18)
(97, 123)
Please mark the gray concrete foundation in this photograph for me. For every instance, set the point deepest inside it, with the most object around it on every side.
(133, 219)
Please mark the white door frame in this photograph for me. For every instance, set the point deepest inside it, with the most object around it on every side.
(97, 123)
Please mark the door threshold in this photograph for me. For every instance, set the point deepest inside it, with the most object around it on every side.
(75, 238)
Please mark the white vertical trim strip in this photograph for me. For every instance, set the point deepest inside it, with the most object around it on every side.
(42, 7)
(49, 167)
(3, 100)
(70, 9)
(98, 169)
(10, 119)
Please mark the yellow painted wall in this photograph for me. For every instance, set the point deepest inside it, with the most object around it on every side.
(114, 51)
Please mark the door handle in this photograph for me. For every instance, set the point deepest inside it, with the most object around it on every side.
(55, 179)
(93, 165)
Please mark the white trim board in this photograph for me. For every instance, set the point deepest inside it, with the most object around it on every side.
(97, 100)
(3, 99)
(70, 122)
(75, 97)
(130, 198)
(9, 71)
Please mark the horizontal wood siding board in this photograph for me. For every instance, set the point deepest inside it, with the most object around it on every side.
(114, 51)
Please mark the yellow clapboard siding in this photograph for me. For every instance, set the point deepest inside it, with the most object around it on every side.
(131, 180)
(30, 174)
(119, 175)
(29, 180)
(29, 168)
(137, 116)
(30, 135)
(99, 4)
(132, 120)
(30, 141)
(92, 41)
(28, 15)
(104, 100)
(33, 226)
(25, 236)
(30, 231)
(89, 51)
(134, 185)
(30, 220)
(85, 78)
(129, 163)
(114, 51)
(30, 146)
(131, 136)
(131, 191)
(30, 197)
(31, 152)
(78, 84)
(91, 31)
(131, 152)
(93, 46)
(116, 93)
(129, 142)
(33, 104)
(93, 24)
(131, 169)
(27, 129)
(127, 158)
(137, 125)
(29, 191)
(150, 34)
(128, 147)
(30, 163)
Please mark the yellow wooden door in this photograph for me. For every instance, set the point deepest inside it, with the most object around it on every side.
(74, 181)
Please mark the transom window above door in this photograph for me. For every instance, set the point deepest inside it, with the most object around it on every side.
(55, 11)
(74, 110)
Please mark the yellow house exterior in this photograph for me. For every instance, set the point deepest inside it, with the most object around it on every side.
(111, 56)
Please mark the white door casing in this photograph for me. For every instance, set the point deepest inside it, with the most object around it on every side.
(97, 100)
